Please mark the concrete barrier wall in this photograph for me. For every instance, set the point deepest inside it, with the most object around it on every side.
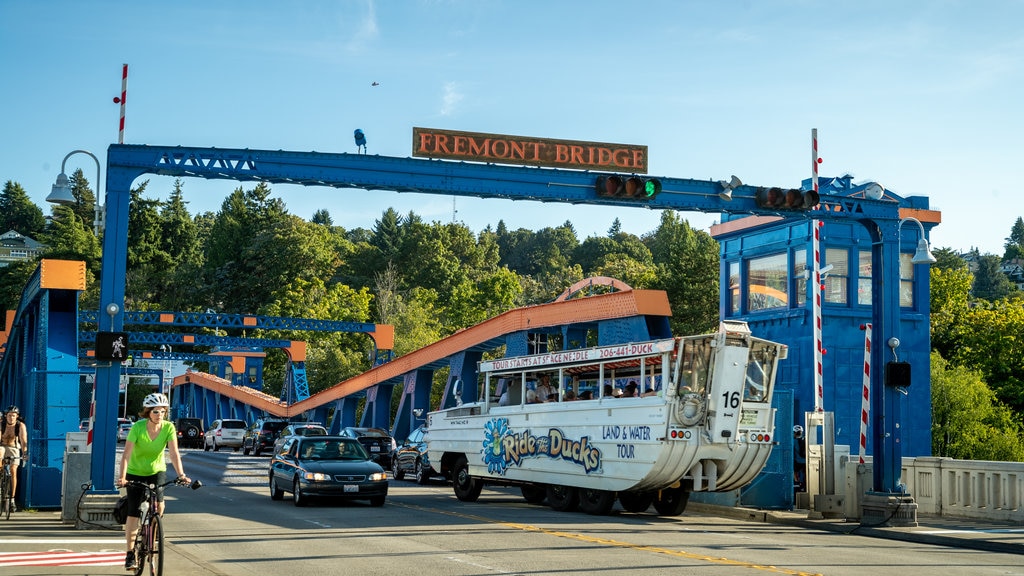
(945, 487)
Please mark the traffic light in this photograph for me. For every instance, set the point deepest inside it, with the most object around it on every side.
(627, 187)
(782, 199)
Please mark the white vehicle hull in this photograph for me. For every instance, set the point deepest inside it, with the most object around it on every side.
(715, 440)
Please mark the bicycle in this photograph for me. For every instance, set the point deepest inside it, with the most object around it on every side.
(149, 540)
(5, 488)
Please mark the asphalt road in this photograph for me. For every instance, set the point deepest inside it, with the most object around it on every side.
(233, 527)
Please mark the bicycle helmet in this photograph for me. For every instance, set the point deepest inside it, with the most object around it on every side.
(13, 408)
(154, 400)
(798, 432)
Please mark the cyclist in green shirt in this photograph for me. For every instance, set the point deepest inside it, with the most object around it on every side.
(143, 461)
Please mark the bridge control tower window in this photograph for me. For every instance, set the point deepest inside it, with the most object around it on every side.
(837, 279)
(734, 288)
(906, 279)
(767, 283)
(801, 273)
(864, 277)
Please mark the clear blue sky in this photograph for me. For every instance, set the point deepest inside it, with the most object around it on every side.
(921, 96)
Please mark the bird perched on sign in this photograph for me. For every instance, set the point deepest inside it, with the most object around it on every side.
(360, 140)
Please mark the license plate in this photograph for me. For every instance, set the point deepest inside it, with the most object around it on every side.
(374, 448)
(351, 488)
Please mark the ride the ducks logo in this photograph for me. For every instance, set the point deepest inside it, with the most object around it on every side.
(503, 448)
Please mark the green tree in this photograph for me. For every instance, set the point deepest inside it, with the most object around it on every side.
(19, 213)
(332, 357)
(13, 279)
(85, 199)
(416, 321)
(968, 421)
(67, 238)
(388, 234)
(989, 281)
(1015, 242)
(150, 265)
(244, 216)
(949, 301)
(322, 217)
(181, 237)
(948, 259)
(991, 340)
(687, 262)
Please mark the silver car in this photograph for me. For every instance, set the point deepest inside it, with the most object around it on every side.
(298, 429)
(226, 432)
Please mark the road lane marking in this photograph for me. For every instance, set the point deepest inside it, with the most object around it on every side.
(62, 540)
(62, 558)
(615, 543)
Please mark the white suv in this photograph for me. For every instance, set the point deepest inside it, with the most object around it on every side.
(224, 432)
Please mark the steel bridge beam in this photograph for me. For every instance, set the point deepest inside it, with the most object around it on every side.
(125, 163)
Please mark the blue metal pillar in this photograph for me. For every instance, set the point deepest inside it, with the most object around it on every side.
(344, 413)
(885, 401)
(377, 410)
(415, 395)
(574, 337)
(110, 317)
(462, 370)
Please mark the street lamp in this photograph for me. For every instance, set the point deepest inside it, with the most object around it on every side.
(924, 251)
(167, 366)
(60, 193)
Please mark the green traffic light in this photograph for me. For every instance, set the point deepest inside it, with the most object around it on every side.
(651, 188)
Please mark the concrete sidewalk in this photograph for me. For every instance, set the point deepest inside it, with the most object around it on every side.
(988, 536)
(37, 543)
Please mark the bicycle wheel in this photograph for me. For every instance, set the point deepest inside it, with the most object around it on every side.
(156, 548)
(141, 549)
(5, 496)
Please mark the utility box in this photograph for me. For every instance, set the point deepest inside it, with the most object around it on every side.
(77, 471)
(77, 442)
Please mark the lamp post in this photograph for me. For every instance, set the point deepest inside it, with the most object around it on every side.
(60, 193)
(888, 503)
(166, 367)
(923, 255)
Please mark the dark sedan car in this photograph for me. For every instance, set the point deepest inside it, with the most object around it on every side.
(311, 466)
(261, 435)
(411, 458)
(377, 442)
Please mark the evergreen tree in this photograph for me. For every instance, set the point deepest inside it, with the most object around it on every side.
(1015, 242)
(67, 238)
(687, 261)
(948, 259)
(85, 200)
(989, 281)
(322, 217)
(388, 235)
(181, 237)
(19, 213)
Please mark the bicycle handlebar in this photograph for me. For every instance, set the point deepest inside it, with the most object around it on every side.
(179, 481)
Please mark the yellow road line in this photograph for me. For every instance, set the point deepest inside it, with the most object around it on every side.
(616, 543)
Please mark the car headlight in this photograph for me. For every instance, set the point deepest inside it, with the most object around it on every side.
(315, 476)
(378, 476)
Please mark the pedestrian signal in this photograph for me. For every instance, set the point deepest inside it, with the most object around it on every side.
(783, 199)
(112, 346)
(627, 187)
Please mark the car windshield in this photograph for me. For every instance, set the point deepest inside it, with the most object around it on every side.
(310, 431)
(232, 424)
(331, 450)
(372, 433)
